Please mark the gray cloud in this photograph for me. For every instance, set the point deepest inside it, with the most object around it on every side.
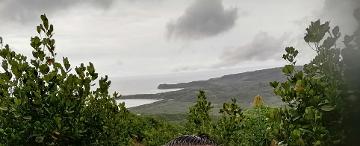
(202, 19)
(28, 10)
(340, 12)
(262, 47)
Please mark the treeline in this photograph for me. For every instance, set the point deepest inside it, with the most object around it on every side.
(44, 102)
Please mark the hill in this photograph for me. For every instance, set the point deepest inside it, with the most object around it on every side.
(242, 86)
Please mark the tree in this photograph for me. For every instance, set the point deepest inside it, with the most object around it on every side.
(313, 95)
(255, 124)
(44, 103)
(198, 120)
(229, 126)
(158, 132)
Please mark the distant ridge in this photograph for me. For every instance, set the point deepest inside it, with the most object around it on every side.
(242, 86)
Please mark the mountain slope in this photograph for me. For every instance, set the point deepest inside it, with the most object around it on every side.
(242, 86)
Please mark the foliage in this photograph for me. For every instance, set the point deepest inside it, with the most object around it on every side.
(313, 96)
(243, 127)
(42, 103)
(158, 132)
(198, 120)
(229, 126)
(176, 118)
(255, 125)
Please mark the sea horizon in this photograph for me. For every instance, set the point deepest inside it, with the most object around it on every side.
(148, 84)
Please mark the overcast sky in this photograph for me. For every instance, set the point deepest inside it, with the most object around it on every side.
(151, 37)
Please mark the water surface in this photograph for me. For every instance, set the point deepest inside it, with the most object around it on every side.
(136, 102)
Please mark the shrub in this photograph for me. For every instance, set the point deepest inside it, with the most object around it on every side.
(255, 125)
(313, 95)
(44, 103)
(228, 130)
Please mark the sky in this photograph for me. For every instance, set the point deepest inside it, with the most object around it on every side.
(172, 38)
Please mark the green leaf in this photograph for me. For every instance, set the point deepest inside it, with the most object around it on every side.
(66, 63)
(3, 108)
(91, 68)
(4, 65)
(44, 69)
(51, 29)
(45, 21)
(317, 143)
(299, 75)
(27, 117)
(327, 108)
(288, 69)
(274, 84)
(336, 31)
(35, 42)
(58, 121)
(17, 101)
(39, 139)
(296, 134)
(299, 86)
(43, 17)
(38, 29)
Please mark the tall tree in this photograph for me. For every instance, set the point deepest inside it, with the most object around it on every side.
(198, 120)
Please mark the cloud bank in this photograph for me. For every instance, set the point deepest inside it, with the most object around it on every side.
(340, 12)
(204, 18)
(263, 47)
(28, 10)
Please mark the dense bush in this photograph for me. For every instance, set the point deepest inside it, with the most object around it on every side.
(255, 126)
(243, 127)
(44, 102)
(234, 126)
(228, 128)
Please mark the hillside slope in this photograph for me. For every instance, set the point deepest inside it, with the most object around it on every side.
(242, 86)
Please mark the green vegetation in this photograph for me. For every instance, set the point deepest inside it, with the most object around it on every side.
(44, 102)
(229, 126)
(312, 95)
(199, 121)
